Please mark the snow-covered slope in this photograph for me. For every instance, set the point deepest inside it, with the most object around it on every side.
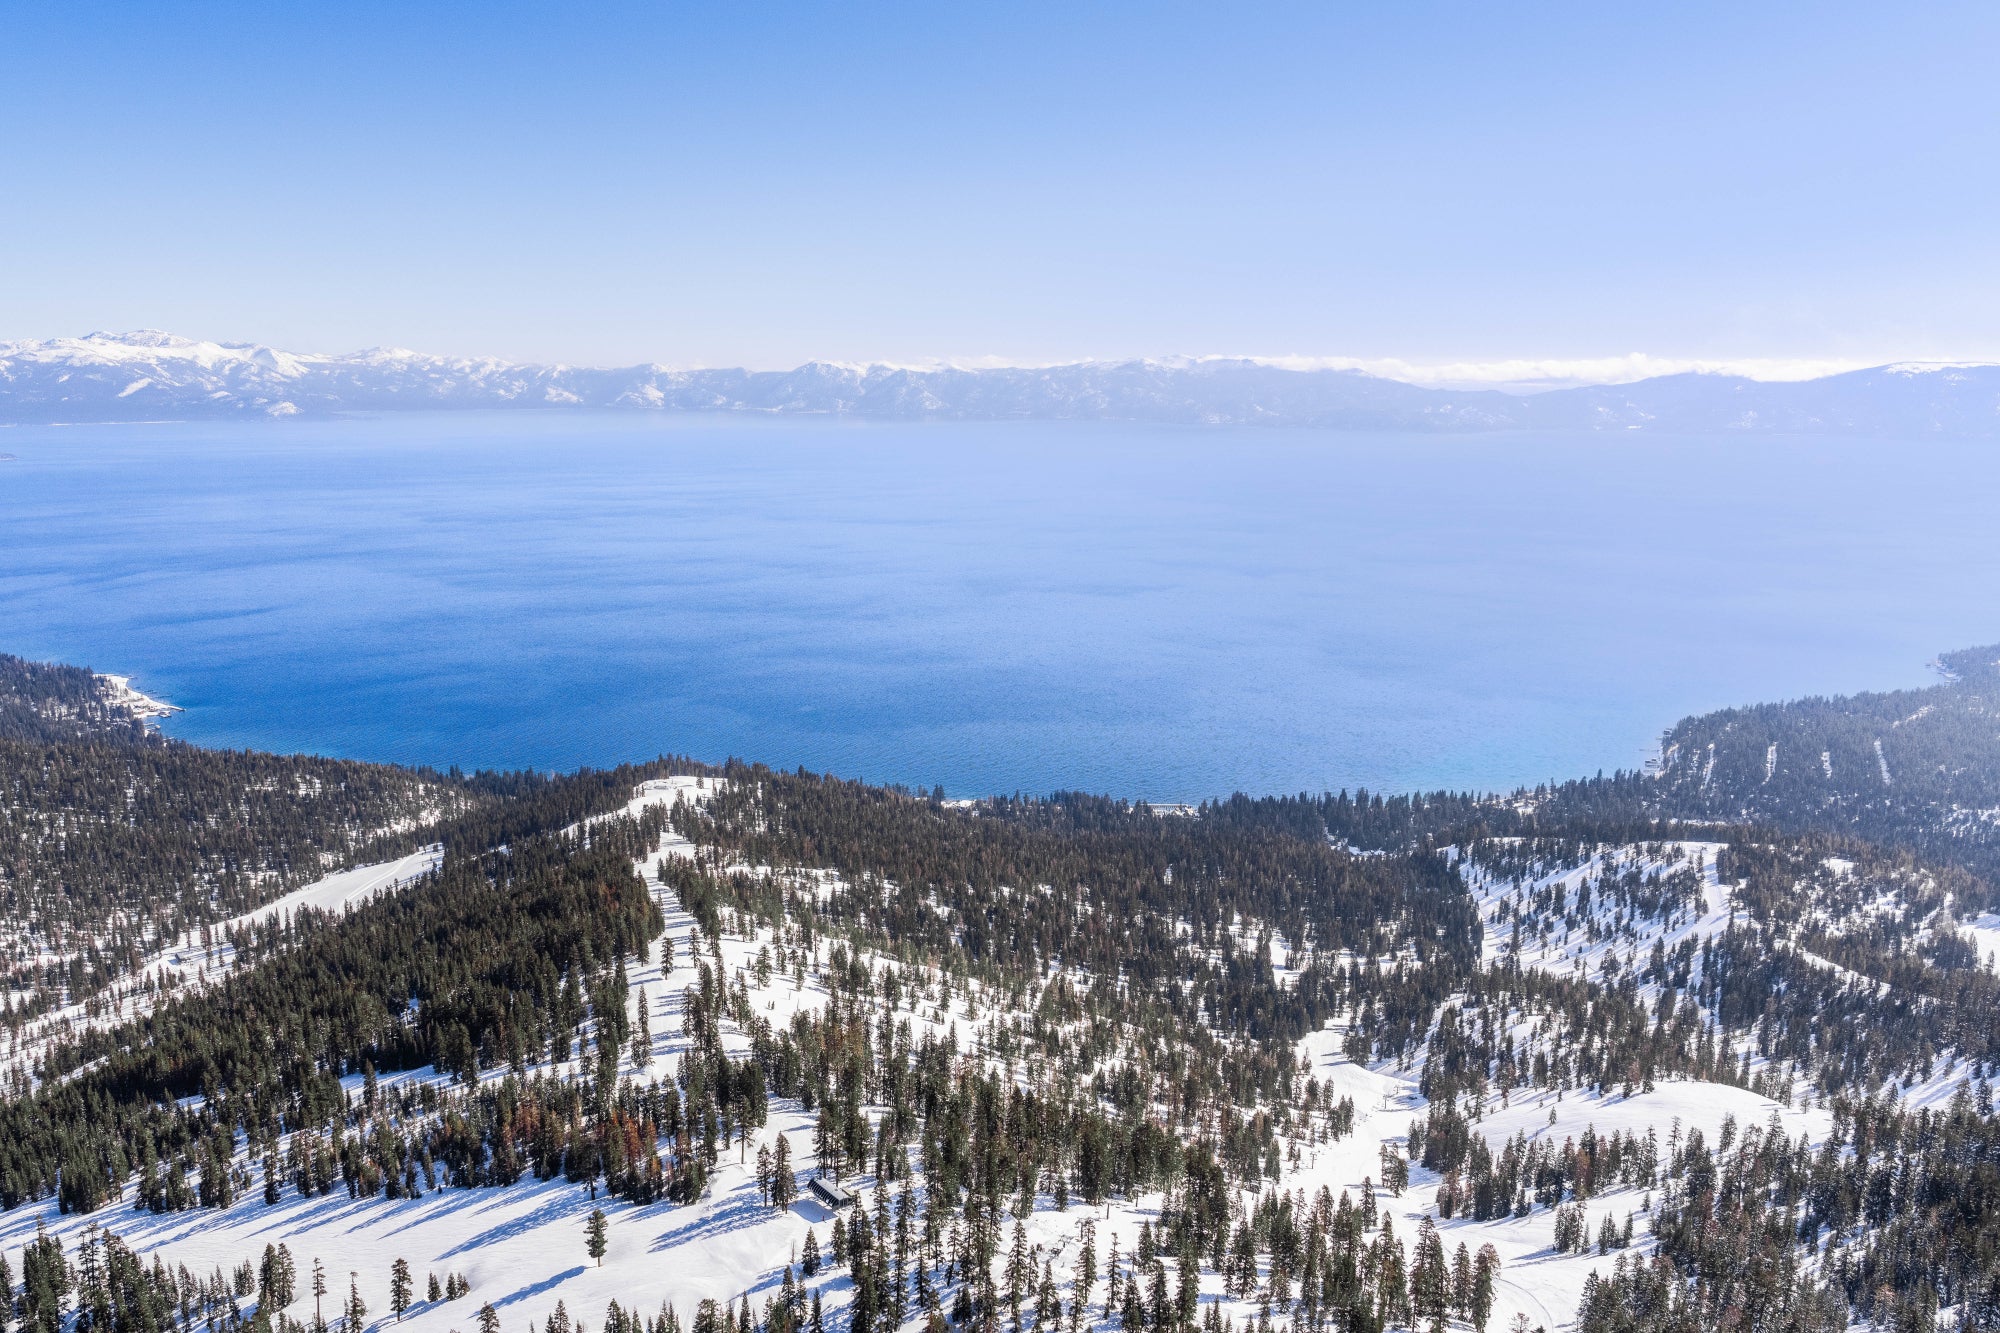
(203, 958)
(1535, 1280)
(522, 1248)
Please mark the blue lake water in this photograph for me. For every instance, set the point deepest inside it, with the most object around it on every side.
(1148, 611)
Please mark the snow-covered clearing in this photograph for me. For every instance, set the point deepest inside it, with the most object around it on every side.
(1565, 939)
(668, 792)
(1534, 1279)
(339, 892)
(1985, 932)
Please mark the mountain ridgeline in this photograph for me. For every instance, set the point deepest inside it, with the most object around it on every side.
(151, 376)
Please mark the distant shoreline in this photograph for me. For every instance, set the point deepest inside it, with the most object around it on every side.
(150, 376)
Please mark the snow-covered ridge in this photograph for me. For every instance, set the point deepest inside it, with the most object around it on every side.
(204, 957)
(521, 1248)
(150, 375)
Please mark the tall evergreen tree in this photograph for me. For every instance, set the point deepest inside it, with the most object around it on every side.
(402, 1288)
(784, 1182)
(596, 1238)
(642, 1032)
(357, 1309)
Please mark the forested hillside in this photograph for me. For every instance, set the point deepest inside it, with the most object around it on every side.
(1914, 768)
(114, 840)
(1911, 769)
(1597, 1056)
(47, 701)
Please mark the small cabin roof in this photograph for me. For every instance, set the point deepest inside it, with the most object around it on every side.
(829, 1193)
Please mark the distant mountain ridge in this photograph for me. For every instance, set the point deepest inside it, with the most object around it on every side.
(158, 376)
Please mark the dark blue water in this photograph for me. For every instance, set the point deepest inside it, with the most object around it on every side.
(1147, 611)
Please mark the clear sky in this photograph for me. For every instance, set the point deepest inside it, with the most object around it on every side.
(748, 183)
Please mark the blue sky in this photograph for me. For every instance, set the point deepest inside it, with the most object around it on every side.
(766, 183)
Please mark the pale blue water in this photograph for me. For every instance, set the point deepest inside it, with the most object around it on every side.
(1170, 613)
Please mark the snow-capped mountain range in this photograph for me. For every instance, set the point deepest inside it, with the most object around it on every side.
(158, 376)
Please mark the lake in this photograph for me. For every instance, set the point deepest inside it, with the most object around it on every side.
(1149, 611)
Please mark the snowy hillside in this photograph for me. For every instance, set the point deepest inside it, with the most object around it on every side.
(799, 1055)
(198, 959)
(522, 1249)
(1652, 917)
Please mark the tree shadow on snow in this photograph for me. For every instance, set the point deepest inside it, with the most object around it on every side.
(738, 1211)
(442, 1203)
(534, 1289)
(564, 1204)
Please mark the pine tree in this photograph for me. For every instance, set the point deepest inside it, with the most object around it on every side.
(596, 1240)
(1086, 1274)
(1485, 1272)
(45, 1283)
(784, 1183)
(827, 1144)
(357, 1309)
(1461, 1280)
(275, 1277)
(1048, 1305)
(1187, 1290)
(434, 1292)
(808, 1255)
(401, 1288)
(642, 1031)
(1569, 1228)
(1019, 1271)
(489, 1319)
(93, 1303)
(1430, 1278)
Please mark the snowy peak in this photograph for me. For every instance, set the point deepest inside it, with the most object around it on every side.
(154, 338)
(148, 374)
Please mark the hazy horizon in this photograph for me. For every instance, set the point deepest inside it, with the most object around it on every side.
(1517, 372)
(1429, 185)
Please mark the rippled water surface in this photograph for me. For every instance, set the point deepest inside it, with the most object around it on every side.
(988, 607)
